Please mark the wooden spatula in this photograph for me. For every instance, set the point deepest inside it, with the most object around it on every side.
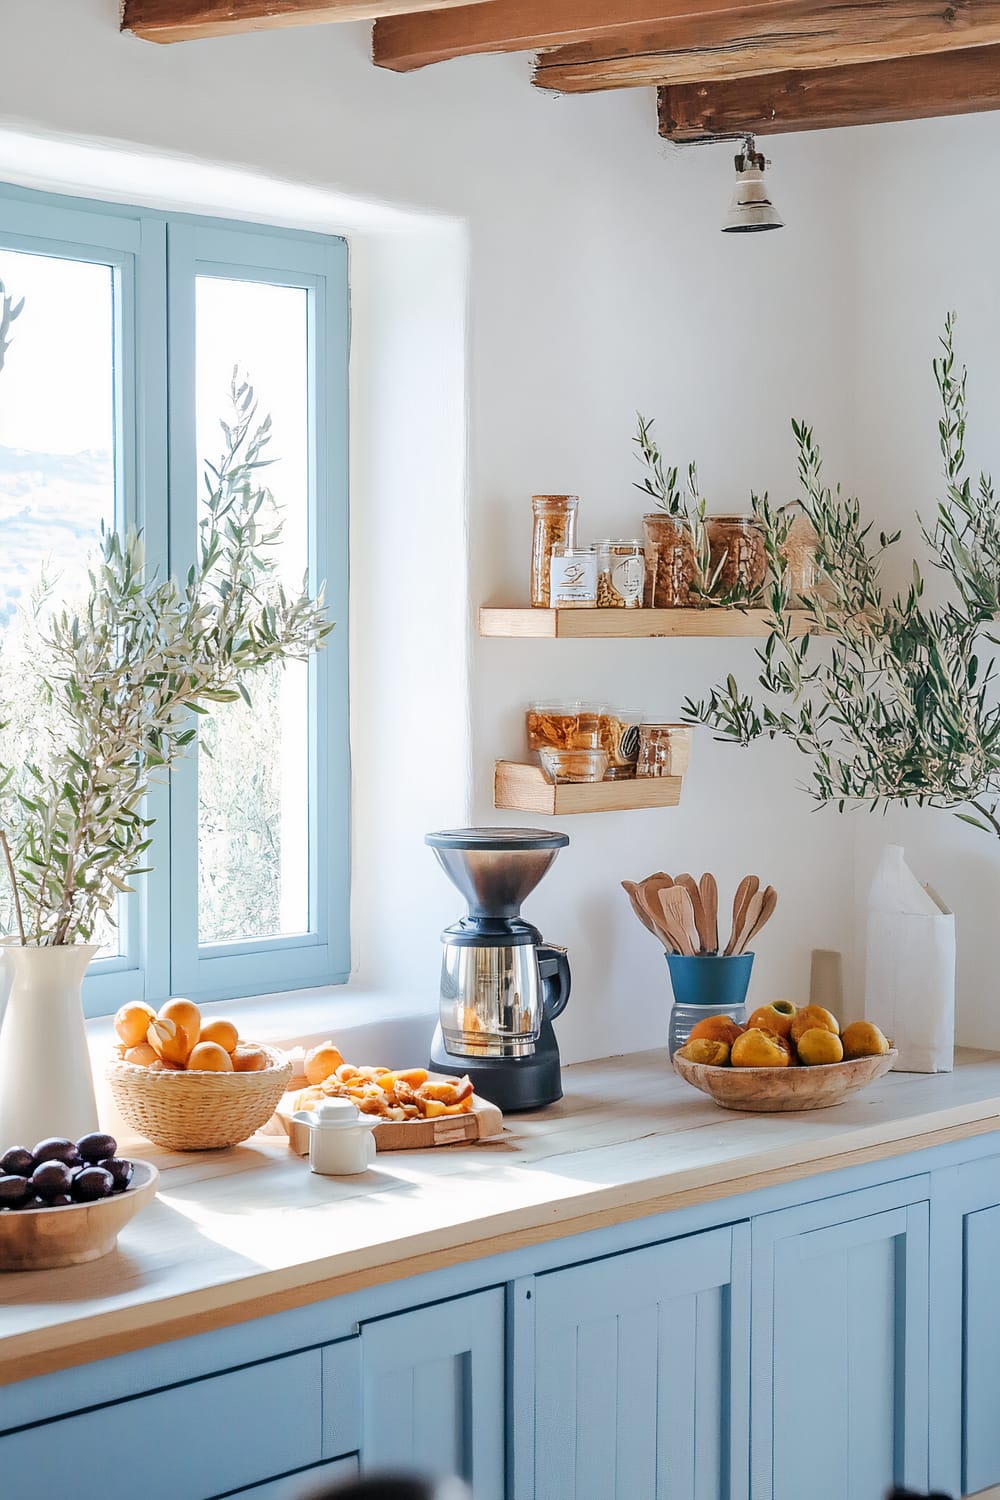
(689, 884)
(632, 891)
(747, 888)
(768, 899)
(679, 915)
(751, 913)
(709, 892)
(647, 892)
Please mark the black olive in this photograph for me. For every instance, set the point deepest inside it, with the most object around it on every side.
(51, 1179)
(96, 1147)
(90, 1183)
(61, 1200)
(121, 1170)
(14, 1191)
(18, 1161)
(57, 1148)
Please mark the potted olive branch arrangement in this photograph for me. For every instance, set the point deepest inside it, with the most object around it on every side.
(887, 696)
(124, 672)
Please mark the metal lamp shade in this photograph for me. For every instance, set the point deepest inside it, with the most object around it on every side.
(751, 208)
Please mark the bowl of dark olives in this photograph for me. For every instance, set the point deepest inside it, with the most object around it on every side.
(63, 1202)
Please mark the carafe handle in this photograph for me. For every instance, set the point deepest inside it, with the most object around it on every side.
(553, 969)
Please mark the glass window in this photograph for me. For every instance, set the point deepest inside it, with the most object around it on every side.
(137, 331)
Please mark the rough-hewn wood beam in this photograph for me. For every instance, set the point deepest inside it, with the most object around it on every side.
(186, 20)
(414, 41)
(757, 39)
(905, 88)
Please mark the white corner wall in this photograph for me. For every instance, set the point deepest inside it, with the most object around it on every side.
(927, 220)
(598, 283)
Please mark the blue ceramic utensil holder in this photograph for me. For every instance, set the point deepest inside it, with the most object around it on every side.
(708, 985)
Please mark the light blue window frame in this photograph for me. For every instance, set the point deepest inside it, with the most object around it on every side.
(155, 259)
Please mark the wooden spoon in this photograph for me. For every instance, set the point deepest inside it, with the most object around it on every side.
(768, 901)
(631, 890)
(747, 888)
(709, 892)
(679, 913)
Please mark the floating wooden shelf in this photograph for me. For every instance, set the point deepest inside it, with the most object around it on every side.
(592, 624)
(524, 788)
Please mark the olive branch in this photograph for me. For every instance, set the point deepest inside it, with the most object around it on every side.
(886, 696)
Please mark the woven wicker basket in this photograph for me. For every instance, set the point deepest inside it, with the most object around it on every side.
(198, 1111)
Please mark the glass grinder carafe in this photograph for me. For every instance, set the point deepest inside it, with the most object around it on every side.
(501, 985)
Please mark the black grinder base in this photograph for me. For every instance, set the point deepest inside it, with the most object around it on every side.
(513, 1085)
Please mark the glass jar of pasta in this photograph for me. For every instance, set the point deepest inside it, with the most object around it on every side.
(554, 526)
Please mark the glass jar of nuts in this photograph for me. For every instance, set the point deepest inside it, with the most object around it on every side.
(670, 562)
(738, 555)
(621, 573)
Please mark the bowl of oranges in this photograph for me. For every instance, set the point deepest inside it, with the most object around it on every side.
(191, 1084)
(786, 1057)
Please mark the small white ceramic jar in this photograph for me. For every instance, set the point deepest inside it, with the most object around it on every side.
(341, 1143)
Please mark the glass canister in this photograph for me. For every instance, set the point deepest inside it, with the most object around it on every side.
(707, 985)
(555, 526)
(801, 555)
(621, 573)
(738, 555)
(564, 726)
(573, 577)
(664, 750)
(670, 562)
(619, 734)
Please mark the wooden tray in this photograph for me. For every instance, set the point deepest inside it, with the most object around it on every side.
(483, 1122)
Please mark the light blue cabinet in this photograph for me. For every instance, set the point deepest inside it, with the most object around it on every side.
(824, 1338)
(433, 1391)
(640, 1374)
(840, 1343)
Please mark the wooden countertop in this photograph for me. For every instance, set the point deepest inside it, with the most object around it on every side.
(238, 1234)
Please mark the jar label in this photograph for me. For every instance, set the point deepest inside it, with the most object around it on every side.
(573, 579)
(628, 575)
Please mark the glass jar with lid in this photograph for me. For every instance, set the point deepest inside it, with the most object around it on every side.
(554, 526)
(670, 562)
(573, 725)
(621, 573)
(619, 734)
(738, 555)
(573, 578)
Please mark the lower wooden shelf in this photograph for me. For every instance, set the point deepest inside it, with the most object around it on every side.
(591, 624)
(524, 788)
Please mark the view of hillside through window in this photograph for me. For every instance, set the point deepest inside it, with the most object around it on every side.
(253, 765)
(57, 478)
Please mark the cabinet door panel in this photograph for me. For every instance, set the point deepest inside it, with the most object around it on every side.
(982, 1342)
(433, 1391)
(840, 1354)
(188, 1442)
(302, 1484)
(634, 1359)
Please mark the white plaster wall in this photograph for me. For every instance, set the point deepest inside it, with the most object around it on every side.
(598, 283)
(928, 226)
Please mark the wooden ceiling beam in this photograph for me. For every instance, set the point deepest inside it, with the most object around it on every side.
(755, 39)
(188, 20)
(405, 42)
(904, 88)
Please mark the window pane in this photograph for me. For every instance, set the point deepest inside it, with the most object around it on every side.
(253, 762)
(57, 478)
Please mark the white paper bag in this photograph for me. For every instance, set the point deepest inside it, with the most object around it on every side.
(910, 967)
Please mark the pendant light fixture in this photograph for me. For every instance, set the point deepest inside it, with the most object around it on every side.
(751, 208)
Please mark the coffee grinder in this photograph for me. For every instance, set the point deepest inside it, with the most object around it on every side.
(501, 985)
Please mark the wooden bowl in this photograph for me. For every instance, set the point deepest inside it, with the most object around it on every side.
(770, 1090)
(198, 1111)
(39, 1239)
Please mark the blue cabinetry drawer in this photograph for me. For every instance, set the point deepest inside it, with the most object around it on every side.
(188, 1442)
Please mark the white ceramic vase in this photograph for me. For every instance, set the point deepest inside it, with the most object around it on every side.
(46, 1085)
